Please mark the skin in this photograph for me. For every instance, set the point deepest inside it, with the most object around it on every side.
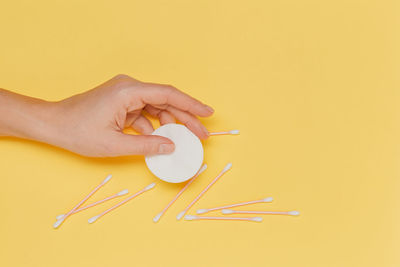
(92, 123)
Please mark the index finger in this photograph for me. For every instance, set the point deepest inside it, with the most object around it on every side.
(159, 94)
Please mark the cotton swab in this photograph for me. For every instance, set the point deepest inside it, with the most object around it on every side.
(268, 199)
(158, 216)
(123, 192)
(150, 186)
(232, 132)
(227, 168)
(194, 217)
(60, 221)
(293, 213)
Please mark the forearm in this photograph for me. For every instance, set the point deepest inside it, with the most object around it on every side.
(92, 123)
(26, 117)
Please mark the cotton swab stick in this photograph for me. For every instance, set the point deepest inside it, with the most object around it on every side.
(227, 168)
(123, 192)
(147, 188)
(158, 216)
(268, 199)
(233, 132)
(60, 221)
(251, 219)
(293, 213)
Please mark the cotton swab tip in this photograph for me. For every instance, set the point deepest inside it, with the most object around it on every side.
(150, 186)
(93, 219)
(227, 167)
(294, 213)
(268, 199)
(123, 192)
(257, 219)
(202, 169)
(180, 215)
(107, 179)
(190, 217)
(58, 223)
(201, 211)
(234, 132)
(226, 211)
(157, 217)
(59, 217)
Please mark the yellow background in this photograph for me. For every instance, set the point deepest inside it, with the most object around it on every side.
(312, 85)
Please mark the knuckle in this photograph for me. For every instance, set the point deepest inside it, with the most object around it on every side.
(122, 81)
(121, 76)
(162, 114)
(149, 147)
(170, 90)
(123, 87)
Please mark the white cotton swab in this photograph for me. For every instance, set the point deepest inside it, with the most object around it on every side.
(194, 217)
(158, 216)
(268, 199)
(227, 168)
(292, 213)
(147, 188)
(232, 132)
(121, 193)
(60, 221)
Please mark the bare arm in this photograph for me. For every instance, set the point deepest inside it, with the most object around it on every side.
(91, 123)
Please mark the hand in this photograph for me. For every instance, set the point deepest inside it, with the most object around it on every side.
(92, 123)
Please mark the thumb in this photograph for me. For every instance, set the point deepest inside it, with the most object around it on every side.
(144, 145)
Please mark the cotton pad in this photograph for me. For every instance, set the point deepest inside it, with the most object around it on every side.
(184, 162)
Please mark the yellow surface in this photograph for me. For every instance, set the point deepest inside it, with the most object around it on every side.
(312, 85)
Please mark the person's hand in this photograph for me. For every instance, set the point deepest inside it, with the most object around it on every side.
(92, 123)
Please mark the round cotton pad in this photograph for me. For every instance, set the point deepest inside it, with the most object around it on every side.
(184, 162)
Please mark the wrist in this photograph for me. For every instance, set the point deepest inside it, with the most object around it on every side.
(26, 117)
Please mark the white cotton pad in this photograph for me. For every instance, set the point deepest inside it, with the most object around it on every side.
(184, 162)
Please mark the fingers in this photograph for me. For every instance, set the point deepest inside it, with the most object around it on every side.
(158, 94)
(126, 144)
(130, 118)
(164, 116)
(142, 125)
(190, 121)
(164, 102)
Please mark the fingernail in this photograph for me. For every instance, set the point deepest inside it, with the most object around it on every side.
(210, 109)
(166, 148)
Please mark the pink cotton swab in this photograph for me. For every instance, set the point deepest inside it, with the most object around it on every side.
(147, 188)
(123, 192)
(194, 217)
(227, 168)
(60, 221)
(159, 215)
(232, 132)
(268, 199)
(292, 213)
